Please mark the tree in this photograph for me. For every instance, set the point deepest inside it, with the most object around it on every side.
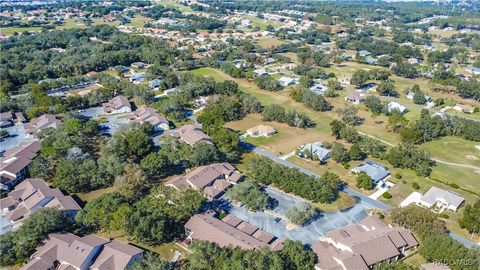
(301, 213)
(133, 181)
(411, 157)
(471, 217)
(156, 164)
(364, 181)
(138, 144)
(387, 88)
(19, 245)
(349, 115)
(248, 193)
(336, 126)
(396, 121)
(204, 153)
(149, 261)
(421, 221)
(339, 153)
(296, 256)
(359, 78)
(374, 104)
(356, 153)
(77, 175)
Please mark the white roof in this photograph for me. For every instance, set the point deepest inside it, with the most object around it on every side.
(434, 194)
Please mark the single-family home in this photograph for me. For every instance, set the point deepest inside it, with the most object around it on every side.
(261, 130)
(260, 72)
(286, 81)
(14, 163)
(377, 171)
(464, 108)
(149, 115)
(42, 122)
(138, 65)
(230, 231)
(269, 61)
(364, 53)
(137, 77)
(118, 104)
(319, 88)
(413, 61)
(314, 151)
(191, 134)
(371, 61)
(362, 246)
(213, 179)
(68, 251)
(8, 119)
(441, 198)
(397, 107)
(411, 95)
(346, 56)
(33, 194)
(473, 70)
(354, 98)
(155, 83)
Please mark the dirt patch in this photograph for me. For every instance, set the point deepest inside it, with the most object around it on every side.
(471, 157)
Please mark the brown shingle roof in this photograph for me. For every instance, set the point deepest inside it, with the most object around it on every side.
(206, 227)
(232, 220)
(263, 236)
(192, 134)
(247, 228)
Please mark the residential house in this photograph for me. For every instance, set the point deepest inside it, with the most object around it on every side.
(411, 95)
(137, 77)
(314, 151)
(354, 98)
(149, 115)
(155, 83)
(68, 251)
(443, 199)
(42, 122)
(286, 81)
(397, 107)
(362, 246)
(319, 88)
(473, 70)
(364, 53)
(261, 130)
(413, 61)
(118, 104)
(213, 179)
(14, 163)
(230, 231)
(260, 72)
(32, 195)
(464, 108)
(269, 61)
(8, 119)
(377, 171)
(191, 134)
(138, 65)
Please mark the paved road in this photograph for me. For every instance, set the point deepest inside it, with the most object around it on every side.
(364, 199)
(371, 202)
(418, 106)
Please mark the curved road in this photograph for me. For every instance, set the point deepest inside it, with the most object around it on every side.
(371, 202)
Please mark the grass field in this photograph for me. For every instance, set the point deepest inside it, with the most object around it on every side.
(8, 31)
(138, 21)
(459, 150)
(270, 42)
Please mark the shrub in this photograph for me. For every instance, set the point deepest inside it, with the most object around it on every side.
(381, 216)
(346, 165)
(387, 195)
(443, 215)
(415, 186)
(398, 176)
(453, 185)
(404, 182)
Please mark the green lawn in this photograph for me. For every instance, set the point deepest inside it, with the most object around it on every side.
(8, 31)
(455, 150)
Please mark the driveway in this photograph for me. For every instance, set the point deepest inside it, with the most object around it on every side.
(306, 234)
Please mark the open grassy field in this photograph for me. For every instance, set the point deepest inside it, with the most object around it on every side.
(138, 21)
(288, 139)
(8, 31)
(270, 42)
(459, 150)
(86, 197)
